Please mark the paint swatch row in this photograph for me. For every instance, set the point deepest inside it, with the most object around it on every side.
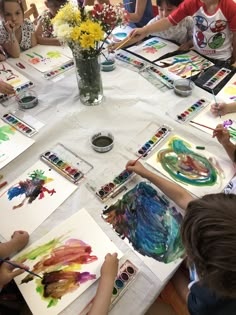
(125, 277)
(130, 59)
(19, 89)
(111, 188)
(192, 110)
(59, 70)
(161, 76)
(19, 124)
(61, 166)
(217, 78)
(155, 139)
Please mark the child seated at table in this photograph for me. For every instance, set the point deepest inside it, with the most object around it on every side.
(11, 300)
(221, 109)
(16, 34)
(44, 28)
(214, 30)
(209, 237)
(102, 299)
(140, 12)
(181, 34)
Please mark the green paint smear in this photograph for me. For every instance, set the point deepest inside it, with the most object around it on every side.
(186, 166)
(41, 250)
(40, 289)
(54, 54)
(4, 130)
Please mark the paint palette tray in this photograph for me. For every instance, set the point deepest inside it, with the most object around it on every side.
(130, 61)
(190, 111)
(126, 276)
(148, 139)
(157, 77)
(213, 79)
(66, 163)
(59, 70)
(19, 124)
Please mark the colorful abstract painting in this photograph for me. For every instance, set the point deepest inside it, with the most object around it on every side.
(68, 260)
(12, 143)
(228, 92)
(154, 48)
(12, 76)
(34, 195)
(199, 171)
(150, 223)
(185, 65)
(206, 118)
(44, 58)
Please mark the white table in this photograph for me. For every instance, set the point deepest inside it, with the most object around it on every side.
(130, 104)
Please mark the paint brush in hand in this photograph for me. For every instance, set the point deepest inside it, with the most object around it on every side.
(19, 267)
(122, 44)
(194, 122)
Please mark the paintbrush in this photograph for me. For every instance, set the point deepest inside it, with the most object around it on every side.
(122, 44)
(17, 266)
(217, 105)
(193, 122)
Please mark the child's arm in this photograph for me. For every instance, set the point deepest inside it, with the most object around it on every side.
(139, 11)
(221, 109)
(6, 88)
(131, 41)
(223, 137)
(12, 47)
(8, 272)
(158, 26)
(18, 241)
(102, 299)
(44, 40)
(178, 194)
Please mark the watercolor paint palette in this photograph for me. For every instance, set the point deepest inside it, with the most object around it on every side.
(66, 163)
(131, 60)
(47, 59)
(126, 276)
(148, 139)
(212, 79)
(190, 111)
(155, 75)
(19, 124)
(11, 76)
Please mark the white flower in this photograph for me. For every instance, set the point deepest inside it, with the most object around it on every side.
(88, 8)
(62, 31)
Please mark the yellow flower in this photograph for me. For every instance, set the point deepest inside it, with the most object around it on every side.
(77, 17)
(75, 33)
(86, 41)
(96, 31)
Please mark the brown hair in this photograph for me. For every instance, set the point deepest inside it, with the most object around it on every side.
(2, 5)
(209, 236)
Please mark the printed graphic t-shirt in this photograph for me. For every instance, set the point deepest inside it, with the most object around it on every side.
(212, 34)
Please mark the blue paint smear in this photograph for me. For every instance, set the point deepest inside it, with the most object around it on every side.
(149, 221)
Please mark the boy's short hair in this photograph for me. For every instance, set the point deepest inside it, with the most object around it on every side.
(169, 2)
(209, 236)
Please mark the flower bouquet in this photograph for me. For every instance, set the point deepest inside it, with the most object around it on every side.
(85, 30)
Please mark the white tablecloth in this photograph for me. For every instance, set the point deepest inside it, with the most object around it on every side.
(130, 104)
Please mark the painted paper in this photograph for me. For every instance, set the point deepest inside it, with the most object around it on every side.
(198, 171)
(12, 76)
(185, 65)
(68, 259)
(44, 58)
(228, 92)
(31, 198)
(154, 48)
(12, 143)
(150, 223)
(206, 118)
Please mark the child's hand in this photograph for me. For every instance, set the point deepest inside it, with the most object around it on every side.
(136, 167)
(9, 26)
(220, 109)
(138, 33)
(2, 57)
(112, 47)
(19, 239)
(221, 134)
(8, 272)
(186, 46)
(6, 88)
(110, 266)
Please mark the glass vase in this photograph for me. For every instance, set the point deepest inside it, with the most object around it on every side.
(89, 80)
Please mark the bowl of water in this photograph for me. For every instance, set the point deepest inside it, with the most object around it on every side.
(102, 141)
(27, 99)
(183, 87)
